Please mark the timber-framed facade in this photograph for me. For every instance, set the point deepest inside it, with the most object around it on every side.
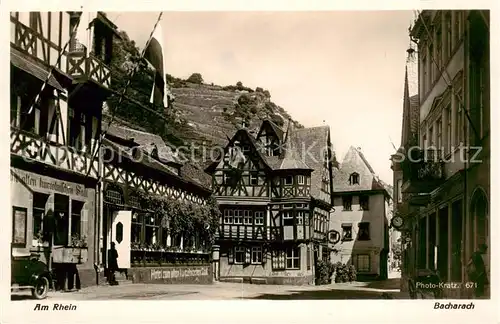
(135, 172)
(275, 204)
(53, 174)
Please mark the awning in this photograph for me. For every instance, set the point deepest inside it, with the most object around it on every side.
(19, 60)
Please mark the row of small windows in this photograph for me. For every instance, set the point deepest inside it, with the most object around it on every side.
(243, 217)
(362, 235)
(364, 203)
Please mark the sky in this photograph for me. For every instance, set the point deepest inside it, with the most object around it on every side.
(340, 68)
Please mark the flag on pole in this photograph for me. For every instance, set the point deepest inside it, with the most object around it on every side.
(83, 33)
(155, 55)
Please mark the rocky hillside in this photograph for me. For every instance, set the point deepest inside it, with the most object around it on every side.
(213, 113)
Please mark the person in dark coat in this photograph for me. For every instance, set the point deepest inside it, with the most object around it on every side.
(112, 264)
(477, 270)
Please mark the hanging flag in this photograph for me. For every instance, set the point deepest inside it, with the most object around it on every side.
(155, 55)
(83, 33)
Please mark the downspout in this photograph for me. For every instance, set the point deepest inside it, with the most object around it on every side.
(99, 215)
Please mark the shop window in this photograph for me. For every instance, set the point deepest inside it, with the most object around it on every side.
(76, 217)
(61, 217)
(39, 202)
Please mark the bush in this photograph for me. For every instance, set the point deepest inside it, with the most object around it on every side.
(324, 272)
(344, 273)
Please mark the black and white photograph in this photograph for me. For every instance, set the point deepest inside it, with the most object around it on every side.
(250, 155)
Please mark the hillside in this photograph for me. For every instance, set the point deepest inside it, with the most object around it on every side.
(212, 113)
(201, 114)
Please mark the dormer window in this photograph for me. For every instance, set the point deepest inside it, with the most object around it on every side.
(354, 179)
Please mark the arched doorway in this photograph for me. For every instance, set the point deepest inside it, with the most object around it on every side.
(478, 221)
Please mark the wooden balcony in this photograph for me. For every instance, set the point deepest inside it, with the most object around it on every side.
(423, 171)
(84, 67)
(33, 148)
(35, 45)
(79, 64)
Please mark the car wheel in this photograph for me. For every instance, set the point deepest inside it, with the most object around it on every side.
(41, 288)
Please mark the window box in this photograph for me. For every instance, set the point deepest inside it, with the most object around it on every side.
(76, 255)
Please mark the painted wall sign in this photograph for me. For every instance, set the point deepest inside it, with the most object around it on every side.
(159, 274)
(35, 181)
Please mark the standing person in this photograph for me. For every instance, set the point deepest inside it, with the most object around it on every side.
(477, 270)
(112, 264)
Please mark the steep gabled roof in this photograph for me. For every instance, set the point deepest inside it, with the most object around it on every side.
(276, 129)
(355, 162)
(291, 158)
(312, 143)
(251, 140)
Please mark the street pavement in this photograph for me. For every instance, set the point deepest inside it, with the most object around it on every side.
(386, 289)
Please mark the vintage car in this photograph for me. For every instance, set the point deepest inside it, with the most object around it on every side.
(28, 272)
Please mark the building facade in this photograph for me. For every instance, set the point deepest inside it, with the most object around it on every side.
(275, 202)
(445, 179)
(53, 173)
(158, 218)
(361, 215)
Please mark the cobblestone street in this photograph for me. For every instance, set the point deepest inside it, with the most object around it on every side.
(356, 290)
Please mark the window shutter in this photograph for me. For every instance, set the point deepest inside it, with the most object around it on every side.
(230, 255)
(264, 254)
(248, 255)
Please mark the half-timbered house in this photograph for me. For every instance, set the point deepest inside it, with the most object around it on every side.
(274, 193)
(140, 171)
(53, 175)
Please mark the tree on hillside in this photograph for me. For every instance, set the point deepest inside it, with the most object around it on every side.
(239, 84)
(195, 78)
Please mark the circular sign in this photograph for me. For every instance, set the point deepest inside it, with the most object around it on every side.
(333, 236)
(397, 222)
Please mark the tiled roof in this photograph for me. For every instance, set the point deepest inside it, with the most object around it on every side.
(152, 163)
(313, 141)
(147, 142)
(23, 62)
(291, 158)
(355, 162)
